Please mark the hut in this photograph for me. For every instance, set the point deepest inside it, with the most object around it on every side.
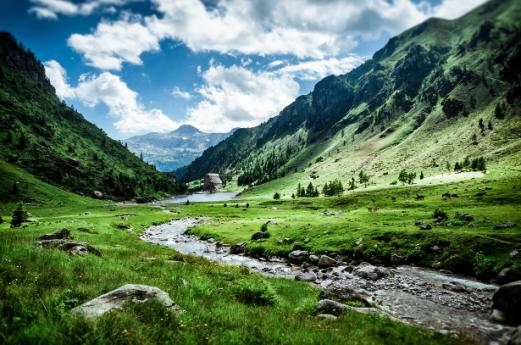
(212, 182)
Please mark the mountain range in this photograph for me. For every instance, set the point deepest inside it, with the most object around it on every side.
(433, 95)
(175, 149)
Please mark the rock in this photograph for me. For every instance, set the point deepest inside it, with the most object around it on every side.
(465, 217)
(397, 259)
(325, 261)
(72, 247)
(238, 248)
(298, 256)
(505, 225)
(57, 235)
(327, 306)
(306, 276)
(514, 253)
(97, 194)
(507, 303)
(516, 337)
(507, 275)
(426, 227)
(306, 240)
(454, 286)
(370, 272)
(260, 235)
(119, 298)
(327, 316)
(360, 242)
(313, 259)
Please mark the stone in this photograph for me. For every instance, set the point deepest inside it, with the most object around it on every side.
(57, 235)
(507, 303)
(359, 242)
(507, 275)
(238, 248)
(260, 235)
(505, 225)
(454, 286)
(514, 253)
(313, 259)
(426, 227)
(465, 217)
(327, 316)
(298, 256)
(97, 194)
(122, 296)
(516, 337)
(327, 306)
(306, 276)
(72, 247)
(325, 261)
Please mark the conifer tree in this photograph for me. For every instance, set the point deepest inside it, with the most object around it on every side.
(19, 216)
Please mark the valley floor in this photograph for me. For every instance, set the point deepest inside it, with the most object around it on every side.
(222, 305)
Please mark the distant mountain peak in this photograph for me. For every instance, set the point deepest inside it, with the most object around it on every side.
(186, 129)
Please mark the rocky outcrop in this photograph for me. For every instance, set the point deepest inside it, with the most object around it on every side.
(507, 303)
(57, 235)
(325, 261)
(72, 247)
(121, 297)
(298, 256)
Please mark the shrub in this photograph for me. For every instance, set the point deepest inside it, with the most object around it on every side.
(276, 196)
(264, 227)
(440, 214)
(19, 216)
(255, 293)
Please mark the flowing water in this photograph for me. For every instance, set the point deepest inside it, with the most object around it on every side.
(442, 302)
(201, 197)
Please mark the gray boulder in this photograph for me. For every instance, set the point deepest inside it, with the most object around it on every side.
(122, 296)
(327, 306)
(325, 261)
(298, 256)
(507, 303)
(306, 276)
(72, 247)
(505, 225)
(57, 235)
(370, 272)
(260, 235)
(313, 259)
(238, 248)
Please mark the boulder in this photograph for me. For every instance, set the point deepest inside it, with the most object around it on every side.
(306, 276)
(327, 316)
(97, 194)
(505, 225)
(72, 247)
(57, 235)
(313, 259)
(122, 296)
(465, 218)
(370, 272)
(514, 254)
(298, 256)
(325, 261)
(507, 303)
(507, 275)
(260, 235)
(516, 337)
(238, 248)
(327, 306)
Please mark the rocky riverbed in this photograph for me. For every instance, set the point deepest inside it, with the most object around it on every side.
(431, 299)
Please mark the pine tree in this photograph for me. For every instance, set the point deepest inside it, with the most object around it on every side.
(490, 126)
(421, 175)
(352, 184)
(481, 125)
(310, 190)
(19, 216)
(403, 176)
(325, 189)
(276, 196)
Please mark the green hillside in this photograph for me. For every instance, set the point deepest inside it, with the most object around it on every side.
(49, 139)
(434, 95)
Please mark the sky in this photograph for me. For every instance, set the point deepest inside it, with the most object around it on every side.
(139, 66)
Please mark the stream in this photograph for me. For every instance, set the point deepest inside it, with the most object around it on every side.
(438, 301)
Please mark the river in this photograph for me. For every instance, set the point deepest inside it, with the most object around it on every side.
(434, 300)
(201, 197)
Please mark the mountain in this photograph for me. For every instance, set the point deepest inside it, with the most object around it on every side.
(173, 150)
(433, 95)
(52, 141)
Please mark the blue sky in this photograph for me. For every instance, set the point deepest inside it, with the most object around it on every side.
(137, 66)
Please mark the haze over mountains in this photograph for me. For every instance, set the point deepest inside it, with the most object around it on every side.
(175, 149)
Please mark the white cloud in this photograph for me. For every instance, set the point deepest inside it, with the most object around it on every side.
(177, 92)
(50, 9)
(317, 69)
(303, 28)
(113, 43)
(237, 97)
(121, 101)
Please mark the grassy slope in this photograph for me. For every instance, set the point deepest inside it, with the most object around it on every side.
(473, 248)
(38, 287)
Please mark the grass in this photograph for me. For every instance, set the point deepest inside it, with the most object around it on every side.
(222, 304)
(385, 222)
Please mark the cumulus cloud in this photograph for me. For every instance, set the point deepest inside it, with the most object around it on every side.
(177, 92)
(50, 9)
(303, 28)
(237, 97)
(110, 90)
(317, 69)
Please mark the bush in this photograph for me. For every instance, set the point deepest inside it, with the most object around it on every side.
(264, 227)
(19, 216)
(276, 196)
(440, 214)
(255, 293)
